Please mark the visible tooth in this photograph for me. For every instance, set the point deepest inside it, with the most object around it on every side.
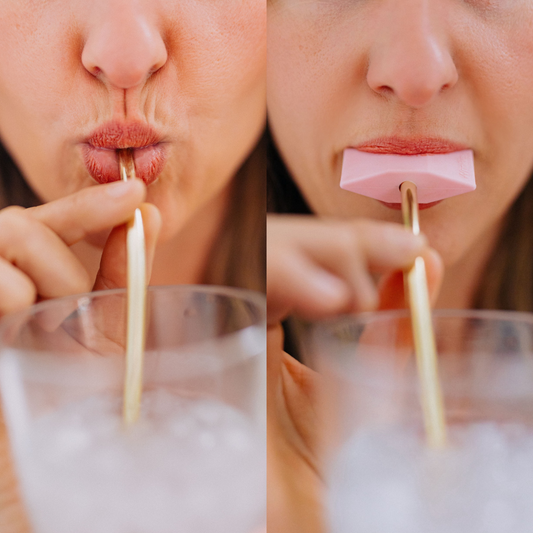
(126, 164)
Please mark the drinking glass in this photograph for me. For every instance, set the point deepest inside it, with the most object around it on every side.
(195, 462)
(381, 476)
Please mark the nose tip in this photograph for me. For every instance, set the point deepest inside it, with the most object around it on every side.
(413, 66)
(124, 50)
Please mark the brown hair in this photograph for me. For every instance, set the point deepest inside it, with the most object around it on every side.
(13, 187)
(508, 279)
(238, 256)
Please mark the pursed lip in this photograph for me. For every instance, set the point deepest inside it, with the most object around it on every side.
(99, 151)
(410, 146)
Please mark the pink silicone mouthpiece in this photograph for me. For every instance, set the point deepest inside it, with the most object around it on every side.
(437, 176)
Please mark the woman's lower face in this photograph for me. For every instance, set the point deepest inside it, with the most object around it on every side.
(182, 83)
(371, 74)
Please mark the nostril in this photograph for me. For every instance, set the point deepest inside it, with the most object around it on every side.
(385, 90)
(154, 69)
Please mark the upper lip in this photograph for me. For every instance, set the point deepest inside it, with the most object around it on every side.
(410, 146)
(118, 135)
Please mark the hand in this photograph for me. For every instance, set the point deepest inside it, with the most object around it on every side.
(35, 259)
(318, 268)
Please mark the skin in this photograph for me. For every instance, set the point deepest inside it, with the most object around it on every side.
(341, 73)
(193, 70)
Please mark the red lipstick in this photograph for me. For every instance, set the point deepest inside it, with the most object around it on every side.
(100, 151)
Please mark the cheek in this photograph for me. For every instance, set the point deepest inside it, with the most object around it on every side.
(220, 54)
(220, 49)
(240, 56)
(295, 67)
(316, 64)
(36, 64)
(35, 47)
(503, 71)
(503, 103)
(315, 49)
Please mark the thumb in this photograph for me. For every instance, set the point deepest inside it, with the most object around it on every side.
(434, 273)
(391, 286)
(113, 265)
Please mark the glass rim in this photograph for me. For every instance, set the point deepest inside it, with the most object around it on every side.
(321, 332)
(395, 314)
(254, 297)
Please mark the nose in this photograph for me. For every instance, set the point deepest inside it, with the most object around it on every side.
(410, 59)
(123, 45)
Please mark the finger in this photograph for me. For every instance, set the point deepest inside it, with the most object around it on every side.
(304, 288)
(17, 291)
(38, 252)
(380, 246)
(152, 227)
(391, 286)
(434, 273)
(389, 246)
(303, 252)
(113, 266)
(91, 210)
(367, 246)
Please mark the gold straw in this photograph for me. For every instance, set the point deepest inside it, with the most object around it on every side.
(136, 302)
(426, 352)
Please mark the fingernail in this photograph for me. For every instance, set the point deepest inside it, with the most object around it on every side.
(118, 189)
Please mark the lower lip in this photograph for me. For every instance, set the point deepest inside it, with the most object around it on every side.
(102, 163)
(420, 206)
